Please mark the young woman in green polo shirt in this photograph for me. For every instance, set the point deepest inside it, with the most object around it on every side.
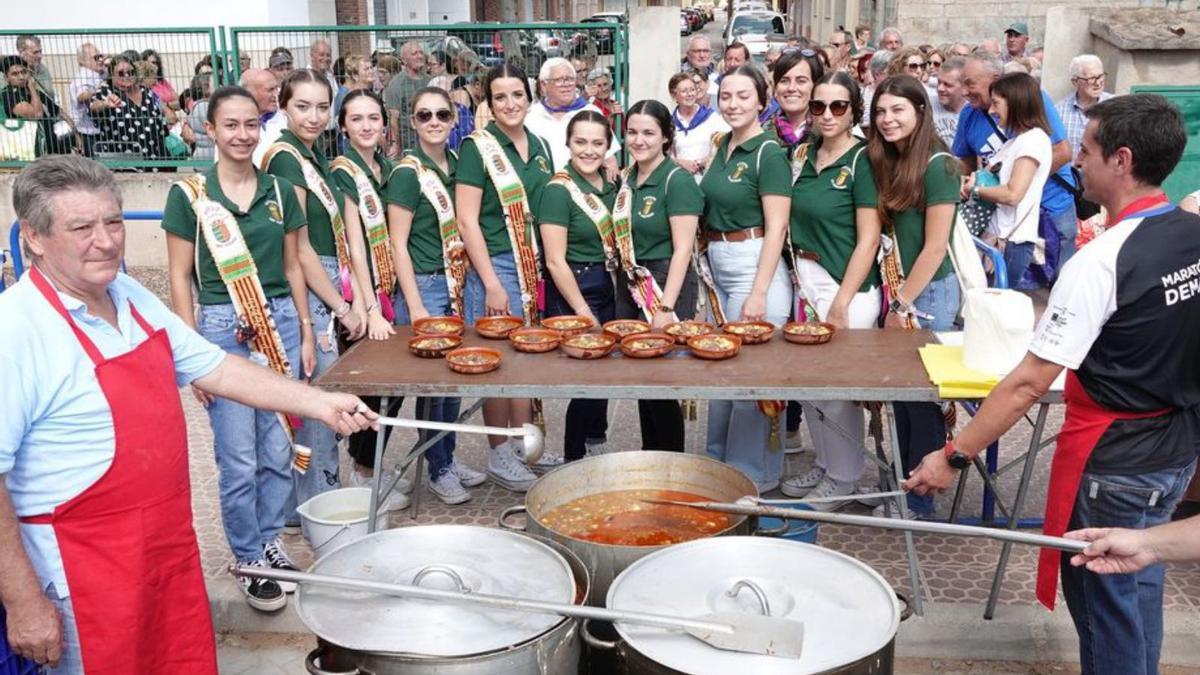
(747, 188)
(575, 258)
(306, 97)
(493, 285)
(253, 451)
(418, 251)
(918, 188)
(361, 176)
(664, 212)
(834, 238)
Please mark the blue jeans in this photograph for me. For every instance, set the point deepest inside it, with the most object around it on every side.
(436, 298)
(475, 296)
(1016, 260)
(920, 426)
(322, 474)
(587, 418)
(738, 432)
(1067, 224)
(1119, 617)
(254, 459)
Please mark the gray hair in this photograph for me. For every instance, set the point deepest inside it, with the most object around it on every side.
(39, 182)
(990, 63)
(551, 64)
(891, 30)
(880, 61)
(599, 73)
(83, 48)
(953, 63)
(23, 41)
(699, 38)
(1079, 62)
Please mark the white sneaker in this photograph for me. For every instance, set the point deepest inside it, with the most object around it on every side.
(828, 487)
(799, 486)
(595, 449)
(397, 501)
(507, 471)
(869, 502)
(448, 488)
(467, 476)
(908, 514)
(793, 443)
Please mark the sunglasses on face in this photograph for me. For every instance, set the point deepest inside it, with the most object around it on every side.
(936, 64)
(838, 108)
(443, 115)
(917, 66)
(123, 73)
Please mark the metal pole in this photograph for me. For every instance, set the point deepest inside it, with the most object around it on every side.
(377, 479)
(910, 548)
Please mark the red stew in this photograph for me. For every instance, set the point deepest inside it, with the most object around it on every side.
(621, 518)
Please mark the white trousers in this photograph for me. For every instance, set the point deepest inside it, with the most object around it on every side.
(840, 455)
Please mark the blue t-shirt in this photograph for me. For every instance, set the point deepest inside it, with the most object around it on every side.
(977, 137)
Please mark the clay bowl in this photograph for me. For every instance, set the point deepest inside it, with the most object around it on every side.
(646, 345)
(439, 325)
(534, 340)
(810, 333)
(473, 360)
(683, 331)
(498, 327)
(433, 346)
(620, 328)
(588, 345)
(569, 324)
(703, 347)
(751, 332)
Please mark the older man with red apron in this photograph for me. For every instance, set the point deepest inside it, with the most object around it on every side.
(1124, 318)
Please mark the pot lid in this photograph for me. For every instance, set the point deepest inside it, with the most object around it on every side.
(484, 560)
(848, 610)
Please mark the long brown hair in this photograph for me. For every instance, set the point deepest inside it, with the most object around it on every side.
(1024, 98)
(900, 168)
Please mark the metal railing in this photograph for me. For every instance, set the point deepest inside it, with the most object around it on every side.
(121, 95)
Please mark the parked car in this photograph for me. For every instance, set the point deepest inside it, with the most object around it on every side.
(745, 25)
(553, 42)
(490, 46)
(685, 26)
(604, 38)
(695, 21)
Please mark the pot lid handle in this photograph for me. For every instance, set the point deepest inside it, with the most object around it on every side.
(425, 571)
(763, 605)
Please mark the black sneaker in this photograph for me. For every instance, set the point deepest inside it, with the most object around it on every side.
(277, 558)
(262, 594)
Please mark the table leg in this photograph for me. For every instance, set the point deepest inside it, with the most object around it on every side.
(914, 565)
(377, 480)
(1035, 444)
(959, 493)
(418, 456)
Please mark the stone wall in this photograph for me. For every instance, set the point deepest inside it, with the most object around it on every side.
(938, 21)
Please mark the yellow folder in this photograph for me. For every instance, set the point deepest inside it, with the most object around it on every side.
(944, 363)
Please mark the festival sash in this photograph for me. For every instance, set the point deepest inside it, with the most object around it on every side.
(317, 185)
(516, 215)
(642, 285)
(700, 251)
(454, 252)
(375, 230)
(596, 212)
(231, 255)
(804, 310)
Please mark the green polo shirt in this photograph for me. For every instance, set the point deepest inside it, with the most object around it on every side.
(823, 208)
(733, 188)
(655, 201)
(343, 184)
(534, 175)
(557, 209)
(942, 186)
(284, 165)
(425, 235)
(263, 227)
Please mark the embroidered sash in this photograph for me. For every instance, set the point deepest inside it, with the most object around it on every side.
(642, 286)
(231, 254)
(596, 212)
(804, 310)
(317, 185)
(375, 230)
(700, 252)
(454, 252)
(516, 215)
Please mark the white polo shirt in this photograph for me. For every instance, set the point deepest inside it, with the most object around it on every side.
(56, 432)
(554, 131)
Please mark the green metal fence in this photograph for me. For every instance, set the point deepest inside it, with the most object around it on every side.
(88, 85)
(120, 94)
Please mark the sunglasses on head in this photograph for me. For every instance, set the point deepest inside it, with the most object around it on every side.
(803, 52)
(443, 115)
(838, 108)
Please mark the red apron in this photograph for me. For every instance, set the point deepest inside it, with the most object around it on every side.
(128, 548)
(1084, 422)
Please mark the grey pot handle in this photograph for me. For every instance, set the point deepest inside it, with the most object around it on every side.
(593, 641)
(511, 511)
(310, 664)
(770, 532)
(763, 605)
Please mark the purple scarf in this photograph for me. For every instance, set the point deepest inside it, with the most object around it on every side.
(788, 133)
(702, 113)
(578, 103)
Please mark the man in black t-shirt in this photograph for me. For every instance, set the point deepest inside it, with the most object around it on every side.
(1124, 318)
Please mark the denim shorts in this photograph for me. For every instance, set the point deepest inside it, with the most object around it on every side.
(475, 298)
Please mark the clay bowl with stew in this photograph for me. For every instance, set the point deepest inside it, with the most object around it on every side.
(439, 325)
(683, 331)
(647, 345)
(588, 345)
(570, 324)
(473, 360)
(534, 340)
(809, 333)
(751, 332)
(498, 327)
(622, 328)
(433, 346)
(715, 347)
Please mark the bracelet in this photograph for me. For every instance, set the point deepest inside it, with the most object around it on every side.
(306, 322)
(372, 307)
(342, 311)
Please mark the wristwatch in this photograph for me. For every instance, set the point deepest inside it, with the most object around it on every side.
(900, 307)
(954, 458)
(665, 308)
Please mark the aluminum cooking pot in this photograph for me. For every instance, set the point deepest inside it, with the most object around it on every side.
(644, 470)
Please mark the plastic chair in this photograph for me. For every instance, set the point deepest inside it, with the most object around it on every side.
(14, 241)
